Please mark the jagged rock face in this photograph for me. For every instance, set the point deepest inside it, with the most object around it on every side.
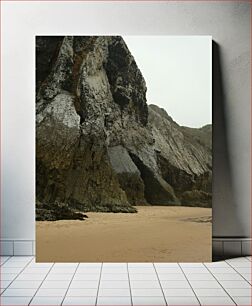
(98, 145)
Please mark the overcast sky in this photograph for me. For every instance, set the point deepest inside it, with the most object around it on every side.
(177, 71)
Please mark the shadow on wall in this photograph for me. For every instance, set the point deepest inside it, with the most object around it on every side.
(225, 214)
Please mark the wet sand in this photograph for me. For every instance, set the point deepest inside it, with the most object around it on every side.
(154, 234)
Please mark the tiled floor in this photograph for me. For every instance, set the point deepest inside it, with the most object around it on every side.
(24, 282)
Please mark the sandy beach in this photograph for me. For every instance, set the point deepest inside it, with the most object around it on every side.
(154, 234)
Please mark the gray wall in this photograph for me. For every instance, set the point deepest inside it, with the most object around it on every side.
(229, 25)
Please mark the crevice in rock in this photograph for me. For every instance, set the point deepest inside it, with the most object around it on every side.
(47, 50)
(156, 190)
(179, 179)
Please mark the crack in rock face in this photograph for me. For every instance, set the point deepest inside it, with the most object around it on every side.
(99, 146)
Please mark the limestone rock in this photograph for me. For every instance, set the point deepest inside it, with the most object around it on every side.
(128, 175)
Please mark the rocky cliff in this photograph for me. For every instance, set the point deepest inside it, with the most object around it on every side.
(99, 146)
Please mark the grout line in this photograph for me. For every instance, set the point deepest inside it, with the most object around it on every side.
(17, 275)
(221, 285)
(9, 257)
(160, 284)
(96, 300)
(129, 285)
(70, 283)
(189, 284)
(239, 273)
(41, 283)
(246, 258)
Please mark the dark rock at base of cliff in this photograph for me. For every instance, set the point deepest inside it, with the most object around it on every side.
(196, 198)
(57, 211)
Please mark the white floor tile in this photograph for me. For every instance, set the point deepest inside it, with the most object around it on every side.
(242, 300)
(86, 276)
(204, 284)
(14, 264)
(4, 259)
(200, 276)
(82, 292)
(5, 283)
(140, 264)
(162, 270)
(145, 284)
(114, 284)
(25, 284)
(29, 270)
(40, 265)
(225, 270)
(190, 300)
(51, 292)
(114, 292)
(192, 264)
(8, 276)
(138, 276)
(91, 264)
(249, 257)
(166, 284)
(66, 265)
(58, 277)
(195, 270)
(9, 270)
(166, 264)
(237, 259)
(221, 300)
(115, 264)
(79, 301)
(172, 276)
(241, 264)
(29, 276)
(55, 284)
(15, 300)
(84, 284)
(114, 270)
(88, 270)
(21, 258)
(62, 270)
(141, 270)
(243, 270)
(111, 301)
(235, 284)
(239, 291)
(19, 292)
(228, 276)
(150, 300)
(47, 300)
(146, 292)
(248, 277)
(178, 292)
(118, 276)
(217, 264)
(210, 292)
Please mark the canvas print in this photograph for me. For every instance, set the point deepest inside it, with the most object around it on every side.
(123, 149)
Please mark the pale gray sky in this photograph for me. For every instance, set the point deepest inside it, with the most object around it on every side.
(178, 74)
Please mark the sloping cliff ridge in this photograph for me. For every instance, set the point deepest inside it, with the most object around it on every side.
(99, 146)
